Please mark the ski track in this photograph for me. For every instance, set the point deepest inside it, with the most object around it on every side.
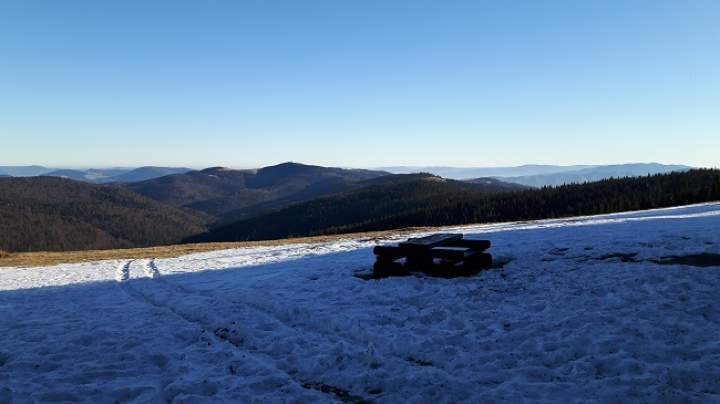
(123, 272)
(147, 295)
(568, 318)
(167, 297)
(151, 269)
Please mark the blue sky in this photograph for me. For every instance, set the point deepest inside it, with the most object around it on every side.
(359, 83)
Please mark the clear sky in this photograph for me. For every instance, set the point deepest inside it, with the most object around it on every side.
(359, 83)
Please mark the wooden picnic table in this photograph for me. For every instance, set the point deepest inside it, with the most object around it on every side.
(439, 254)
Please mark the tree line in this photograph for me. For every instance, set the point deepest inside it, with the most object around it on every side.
(424, 202)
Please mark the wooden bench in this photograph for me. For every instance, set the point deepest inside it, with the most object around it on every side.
(440, 254)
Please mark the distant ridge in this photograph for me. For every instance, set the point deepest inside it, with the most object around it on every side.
(546, 175)
(107, 175)
(230, 194)
(146, 173)
(463, 173)
(595, 174)
(24, 171)
(88, 175)
(490, 181)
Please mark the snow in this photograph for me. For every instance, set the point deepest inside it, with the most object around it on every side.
(581, 311)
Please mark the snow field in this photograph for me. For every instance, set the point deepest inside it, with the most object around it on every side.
(581, 311)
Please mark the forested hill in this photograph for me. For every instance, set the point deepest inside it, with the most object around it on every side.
(372, 200)
(436, 202)
(229, 194)
(56, 214)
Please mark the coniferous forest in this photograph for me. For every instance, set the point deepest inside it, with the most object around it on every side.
(54, 214)
(428, 201)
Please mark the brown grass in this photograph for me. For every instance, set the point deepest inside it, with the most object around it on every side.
(48, 258)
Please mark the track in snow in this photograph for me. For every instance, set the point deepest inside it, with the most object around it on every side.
(147, 291)
(123, 272)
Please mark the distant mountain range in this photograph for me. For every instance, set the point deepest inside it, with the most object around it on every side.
(146, 173)
(463, 173)
(546, 175)
(95, 175)
(24, 171)
(594, 174)
(89, 175)
(122, 175)
(530, 175)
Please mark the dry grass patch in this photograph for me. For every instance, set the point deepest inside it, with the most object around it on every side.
(48, 258)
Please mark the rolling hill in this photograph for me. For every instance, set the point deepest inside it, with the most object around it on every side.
(370, 202)
(229, 194)
(425, 200)
(56, 214)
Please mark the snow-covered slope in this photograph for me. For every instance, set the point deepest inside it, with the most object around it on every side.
(582, 310)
